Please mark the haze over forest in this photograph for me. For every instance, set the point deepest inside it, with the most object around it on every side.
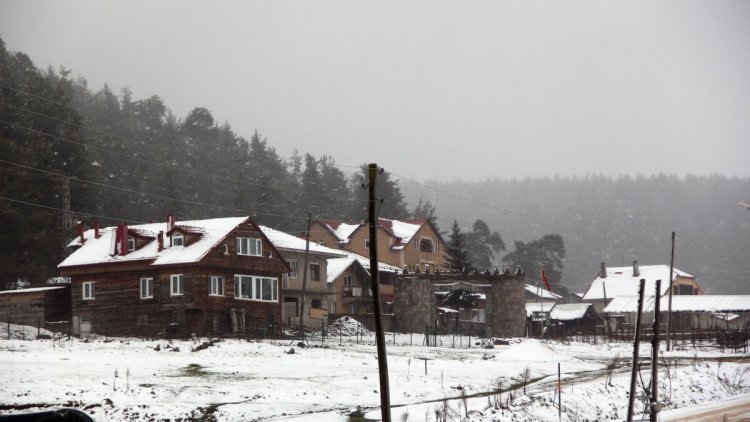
(131, 159)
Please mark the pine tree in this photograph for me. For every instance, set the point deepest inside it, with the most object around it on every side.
(425, 210)
(549, 251)
(482, 245)
(457, 257)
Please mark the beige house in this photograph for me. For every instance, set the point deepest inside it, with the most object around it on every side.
(319, 294)
(401, 243)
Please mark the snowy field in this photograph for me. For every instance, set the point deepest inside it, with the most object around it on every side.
(121, 379)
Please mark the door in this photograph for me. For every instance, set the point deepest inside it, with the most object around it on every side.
(85, 326)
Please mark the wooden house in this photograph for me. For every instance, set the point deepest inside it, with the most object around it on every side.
(318, 292)
(204, 276)
(45, 306)
(401, 243)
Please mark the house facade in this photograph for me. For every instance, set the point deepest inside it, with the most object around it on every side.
(401, 243)
(210, 276)
(318, 292)
(349, 278)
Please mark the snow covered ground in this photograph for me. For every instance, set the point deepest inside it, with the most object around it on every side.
(134, 379)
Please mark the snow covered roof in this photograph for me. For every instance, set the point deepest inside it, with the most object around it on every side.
(620, 281)
(286, 241)
(31, 290)
(97, 251)
(569, 311)
(532, 307)
(341, 230)
(401, 230)
(542, 292)
(683, 303)
(336, 266)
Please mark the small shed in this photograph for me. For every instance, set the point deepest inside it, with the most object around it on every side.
(579, 314)
(46, 307)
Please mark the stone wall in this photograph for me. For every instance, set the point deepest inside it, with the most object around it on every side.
(505, 306)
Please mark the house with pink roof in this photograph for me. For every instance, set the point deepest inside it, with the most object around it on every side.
(205, 277)
(413, 243)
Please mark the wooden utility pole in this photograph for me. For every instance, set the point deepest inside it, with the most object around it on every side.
(653, 416)
(385, 401)
(669, 311)
(304, 279)
(636, 346)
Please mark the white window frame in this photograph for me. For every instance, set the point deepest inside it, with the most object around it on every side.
(131, 243)
(215, 285)
(257, 287)
(293, 265)
(243, 246)
(88, 291)
(367, 243)
(148, 282)
(347, 281)
(180, 290)
(320, 275)
(175, 237)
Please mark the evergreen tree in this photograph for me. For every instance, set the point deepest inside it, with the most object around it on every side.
(425, 210)
(457, 258)
(549, 251)
(482, 245)
(393, 205)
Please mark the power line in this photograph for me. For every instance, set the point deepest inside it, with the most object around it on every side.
(75, 212)
(108, 186)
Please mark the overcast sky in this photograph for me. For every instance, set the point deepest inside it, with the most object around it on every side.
(430, 89)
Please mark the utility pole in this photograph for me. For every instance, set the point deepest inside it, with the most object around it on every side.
(67, 217)
(653, 416)
(669, 311)
(636, 346)
(304, 279)
(385, 401)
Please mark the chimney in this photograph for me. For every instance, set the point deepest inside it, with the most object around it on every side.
(160, 239)
(96, 230)
(79, 230)
(603, 270)
(124, 239)
(636, 270)
(171, 222)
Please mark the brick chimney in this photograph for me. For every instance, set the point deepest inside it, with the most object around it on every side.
(96, 230)
(160, 239)
(636, 270)
(171, 222)
(603, 270)
(79, 231)
(123, 239)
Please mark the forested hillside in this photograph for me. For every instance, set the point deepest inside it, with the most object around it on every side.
(132, 160)
(129, 159)
(616, 220)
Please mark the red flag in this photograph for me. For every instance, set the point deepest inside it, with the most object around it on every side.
(546, 282)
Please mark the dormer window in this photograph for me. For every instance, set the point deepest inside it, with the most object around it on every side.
(131, 243)
(178, 239)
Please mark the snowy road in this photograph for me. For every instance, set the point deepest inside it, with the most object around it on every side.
(734, 409)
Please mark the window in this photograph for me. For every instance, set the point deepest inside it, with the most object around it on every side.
(425, 245)
(249, 246)
(226, 249)
(178, 239)
(147, 288)
(216, 286)
(316, 303)
(367, 243)
(256, 288)
(347, 281)
(131, 243)
(88, 290)
(293, 266)
(315, 271)
(176, 285)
